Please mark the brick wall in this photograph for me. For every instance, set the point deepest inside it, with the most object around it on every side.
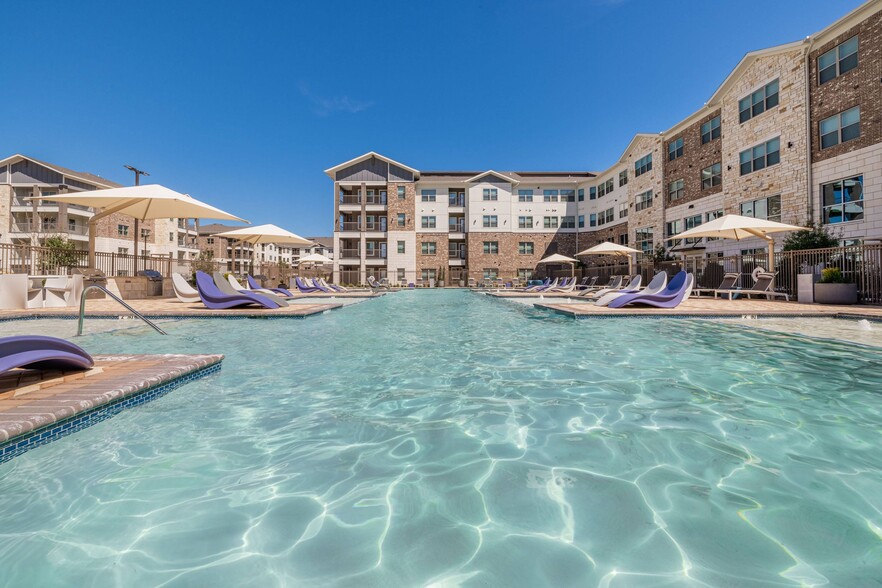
(861, 86)
(509, 260)
(695, 158)
(396, 206)
(652, 180)
(439, 260)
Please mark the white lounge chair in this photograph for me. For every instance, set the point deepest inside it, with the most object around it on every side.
(632, 286)
(184, 291)
(62, 291)
(615, 283)
(762, 287)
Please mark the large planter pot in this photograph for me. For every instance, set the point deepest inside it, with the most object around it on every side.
(836, 293)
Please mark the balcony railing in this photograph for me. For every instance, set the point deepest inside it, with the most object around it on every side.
(375, 254)
(458, 200)
(456, 253)
(350, 254)
(457, 227)
(369, 199)
(34, 227)
(351, 226)
(356, 226)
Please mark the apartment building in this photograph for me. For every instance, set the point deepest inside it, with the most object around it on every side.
(793, 133)
(30, 222)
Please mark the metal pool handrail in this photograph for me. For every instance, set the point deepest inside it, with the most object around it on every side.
(118, 299)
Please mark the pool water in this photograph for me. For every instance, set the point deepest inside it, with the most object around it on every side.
(445, 438)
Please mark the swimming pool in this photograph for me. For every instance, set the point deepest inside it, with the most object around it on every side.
(445, 437)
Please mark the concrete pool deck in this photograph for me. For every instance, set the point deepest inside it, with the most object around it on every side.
(708, 307)
(37, 406)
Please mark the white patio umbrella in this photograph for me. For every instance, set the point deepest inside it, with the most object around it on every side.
(316, 258)
(607, 248)
(149, 201)
(262, 234)
(558, 258)
(733, 226)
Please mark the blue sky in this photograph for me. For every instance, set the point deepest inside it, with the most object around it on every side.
(243, 104)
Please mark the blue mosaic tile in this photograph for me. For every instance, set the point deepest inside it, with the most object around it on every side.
(83, 420)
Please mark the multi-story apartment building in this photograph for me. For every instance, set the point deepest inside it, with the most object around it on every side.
(30, 222)
(793, 133)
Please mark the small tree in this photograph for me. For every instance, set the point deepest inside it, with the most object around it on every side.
(817, 236)
(284, 272)
(204, 262)
(660, 254)
(61, 253)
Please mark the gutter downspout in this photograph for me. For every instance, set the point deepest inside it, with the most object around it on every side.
(810, 199)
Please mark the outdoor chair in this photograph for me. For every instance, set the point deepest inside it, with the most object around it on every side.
(215, 298)
(762, 287)
(728, 283)
(632, 286)
(183, 290)
(39, 352)
(615, 283)
(676, 292)
(254, 285)
(658, 283)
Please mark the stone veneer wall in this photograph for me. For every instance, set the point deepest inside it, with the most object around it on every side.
(860, 86)
(436, 262)
(695, 158)
(396, 206)
(787, 121)
(5, 214)
(652, 180)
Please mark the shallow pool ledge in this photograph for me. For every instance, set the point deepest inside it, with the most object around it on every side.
(39, 407)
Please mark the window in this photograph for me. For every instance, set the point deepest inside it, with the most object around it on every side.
(400, 276)
(674, 227)
(841, 127)
(401, 247)
(122, 250)
(710, 130)
(843, 200)
(607, 216)
(428, 248)
(623, 239)
(709, 216)
(758, 102)
(675, 149)
(428, 274)
(676, 190)
(549, 196)
(491, 247)
(581, 221)
(549, 222)
(567, 195)
(623, 210)
(402, 194)
(401, 219)
(210, 240)
(623, 178)
(712, 176)
(761, 156)
(490, 273)
(767, 208)
(837, 61)
(171, 236)
(691, 222)
(581, 194)
(592, 220)
(643, 165)
(568, 222)
(145, 233)
(490, 221)
(428, 222)
(122, 230)
(525, 195)
(606, 188)
(643, 201)
(525, 222)
(427, 195)
(525, 248)
(456, 197)
(643, 239)
(490, 194)
(525, 274)
(592, 193)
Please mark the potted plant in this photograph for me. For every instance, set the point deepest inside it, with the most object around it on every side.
(441, 277)
(833, 289)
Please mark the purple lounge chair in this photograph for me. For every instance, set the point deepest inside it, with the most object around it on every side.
(535, 287)
(252, 283)
(317, 284)
(677, 290)
(303, 287)
(213, 297)
(42, 353)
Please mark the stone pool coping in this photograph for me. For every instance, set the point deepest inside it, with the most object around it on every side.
(39, 407)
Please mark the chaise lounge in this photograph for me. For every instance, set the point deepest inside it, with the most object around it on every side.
(213, 297)
(658, 283)
(677, 290)
(252, 283)
(183, 290)
(762, 287)
(38, 352)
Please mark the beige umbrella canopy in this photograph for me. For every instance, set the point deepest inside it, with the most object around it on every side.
(145, 202)
(264, 234)
(733, 226)
(558, 258)
(607, 248)
(316, 258)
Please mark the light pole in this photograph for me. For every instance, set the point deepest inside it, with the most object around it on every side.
(138, 173)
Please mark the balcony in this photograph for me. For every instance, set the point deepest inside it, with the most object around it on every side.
(350, 254)
(456, 253)
(26, 227)
(375, 254)
(356, 199)
(456, 200)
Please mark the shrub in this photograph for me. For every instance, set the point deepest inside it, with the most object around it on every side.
(60, 253)
(832, 275)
